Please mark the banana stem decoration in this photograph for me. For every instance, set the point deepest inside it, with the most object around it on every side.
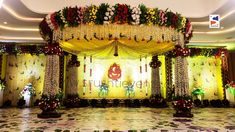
(103, 90)
(130, 90)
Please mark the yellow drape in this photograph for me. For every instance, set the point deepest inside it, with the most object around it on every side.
(105, 48)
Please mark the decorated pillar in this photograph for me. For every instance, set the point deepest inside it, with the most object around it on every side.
(224, 67)
(50, 101)
(181, 68)
(72, 76)
(169, 88)
(155, 82)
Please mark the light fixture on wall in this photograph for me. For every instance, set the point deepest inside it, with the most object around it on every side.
(1, 1)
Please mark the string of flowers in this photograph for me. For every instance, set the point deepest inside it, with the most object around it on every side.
(109, 14)
(118, 14)
(90, 15)
(184, 52)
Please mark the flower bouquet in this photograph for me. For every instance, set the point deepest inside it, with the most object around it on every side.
(183, 106)
(48, 105)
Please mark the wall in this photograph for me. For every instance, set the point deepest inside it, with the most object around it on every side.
(205, 73)
(21, 70)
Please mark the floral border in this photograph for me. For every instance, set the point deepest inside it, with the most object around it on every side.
(117, 14)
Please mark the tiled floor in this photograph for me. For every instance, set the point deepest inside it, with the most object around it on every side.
(122, 119)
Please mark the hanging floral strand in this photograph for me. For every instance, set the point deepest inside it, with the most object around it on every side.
(84, 79)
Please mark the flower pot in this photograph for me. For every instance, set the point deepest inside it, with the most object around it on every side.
(183, 108)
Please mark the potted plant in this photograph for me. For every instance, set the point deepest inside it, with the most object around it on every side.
(2, 87)
(48, 105)
(183, 106)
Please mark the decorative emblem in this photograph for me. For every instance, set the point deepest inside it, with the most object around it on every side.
(114, 72)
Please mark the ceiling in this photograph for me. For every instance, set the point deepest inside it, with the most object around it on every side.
(19, 19)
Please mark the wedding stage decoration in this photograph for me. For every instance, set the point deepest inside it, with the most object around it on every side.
(116, 32)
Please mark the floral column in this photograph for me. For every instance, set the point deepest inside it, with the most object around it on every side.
(71, 89)
(155, 82)
(49, 101)
(182, 103)
(181, 69)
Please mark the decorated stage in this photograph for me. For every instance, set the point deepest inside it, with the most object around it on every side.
(109, 52)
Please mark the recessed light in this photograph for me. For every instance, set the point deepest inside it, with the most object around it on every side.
(4, 22)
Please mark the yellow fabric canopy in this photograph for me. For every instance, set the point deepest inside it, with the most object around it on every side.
(106, 48)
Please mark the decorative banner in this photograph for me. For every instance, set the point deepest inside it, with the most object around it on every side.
(114, 72)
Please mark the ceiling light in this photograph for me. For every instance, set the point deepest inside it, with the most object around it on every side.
(19, 29)
(5, 23)
(20, 38)
(1, 1)
(13, 13)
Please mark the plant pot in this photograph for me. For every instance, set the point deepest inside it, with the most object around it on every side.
(49, 114)
(184, 112)
(48, 107)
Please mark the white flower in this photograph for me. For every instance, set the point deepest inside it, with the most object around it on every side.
(109, 9)
(106, 13)
(111, 13)
(106, 22)
(113, 9)
(106, 18)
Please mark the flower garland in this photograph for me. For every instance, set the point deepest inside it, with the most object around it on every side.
(118, 14)
(184, 52)
(90, 15)
(155, 63)
(121, 13)
(53, 49)
(109, 15)
(135, 14)
(152, 17)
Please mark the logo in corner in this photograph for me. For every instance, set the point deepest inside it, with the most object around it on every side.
(214, 21)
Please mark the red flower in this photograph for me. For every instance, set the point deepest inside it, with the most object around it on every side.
(122, 14)
(174, 21)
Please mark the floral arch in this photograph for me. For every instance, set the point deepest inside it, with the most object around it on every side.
(119, 30)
